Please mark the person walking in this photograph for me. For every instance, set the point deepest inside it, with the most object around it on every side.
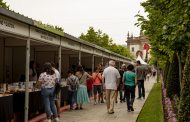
(73, 85)
(129, 80)
(89, 85)
(82, 95)
(141, 74)
(111, 78)
(97, 85)
(47, 81)
(120, 87)
(57, 95)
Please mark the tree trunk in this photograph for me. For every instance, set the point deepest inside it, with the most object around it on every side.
(180, 69)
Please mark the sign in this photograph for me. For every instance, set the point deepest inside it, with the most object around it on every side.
(70, 44)
(113, 57)
(97, 52)
(44, 36)
(12, 26)
(107, 55)
(87, 49)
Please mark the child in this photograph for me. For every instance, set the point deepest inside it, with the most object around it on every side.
(73, 84)
(89, 84)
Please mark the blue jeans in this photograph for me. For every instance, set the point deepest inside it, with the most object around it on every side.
(48, 100)
(130, 95)
(72, 98)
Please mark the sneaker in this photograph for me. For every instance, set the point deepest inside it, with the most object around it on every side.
(123, 99)
(95, 103)
(139, 98)
(57, 119)
(111, 112)
(71, 108)
(48, 120)
(81, 108)
(102, 101)
(132, 109)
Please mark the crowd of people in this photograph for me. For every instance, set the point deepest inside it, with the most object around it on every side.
(104, 85)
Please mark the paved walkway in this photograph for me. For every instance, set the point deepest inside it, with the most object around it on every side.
(98, 113)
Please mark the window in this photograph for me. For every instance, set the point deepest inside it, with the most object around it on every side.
(132, 49)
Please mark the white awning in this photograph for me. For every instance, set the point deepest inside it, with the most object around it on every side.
(140, 59)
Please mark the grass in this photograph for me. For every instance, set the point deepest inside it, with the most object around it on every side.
(152, 110)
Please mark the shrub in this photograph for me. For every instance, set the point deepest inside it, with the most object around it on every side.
(169, 112)
(173, 85)
(184, 105)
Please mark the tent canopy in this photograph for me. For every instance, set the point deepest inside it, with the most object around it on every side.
(140, 59)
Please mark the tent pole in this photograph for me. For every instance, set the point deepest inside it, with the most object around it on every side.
(27, 79)
(60, 58)
(93, 63)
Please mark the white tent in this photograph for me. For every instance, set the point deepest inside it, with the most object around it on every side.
(140, 59)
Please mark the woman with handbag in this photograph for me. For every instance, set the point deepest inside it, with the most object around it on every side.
(82, 94)
(47, 80)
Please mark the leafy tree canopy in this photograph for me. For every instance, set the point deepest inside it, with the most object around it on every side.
(102, 39)
(3, 4)
(167, 26)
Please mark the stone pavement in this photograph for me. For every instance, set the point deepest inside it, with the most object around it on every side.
(98, 112)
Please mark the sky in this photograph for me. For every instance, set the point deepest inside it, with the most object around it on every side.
(113, 17)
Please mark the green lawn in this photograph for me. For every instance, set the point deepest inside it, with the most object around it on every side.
(153, 109)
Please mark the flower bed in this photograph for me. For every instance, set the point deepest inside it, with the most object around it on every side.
(170, 116)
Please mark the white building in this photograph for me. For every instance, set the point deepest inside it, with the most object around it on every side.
(138, 46)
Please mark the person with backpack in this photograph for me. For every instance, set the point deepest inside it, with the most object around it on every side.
(73, 84)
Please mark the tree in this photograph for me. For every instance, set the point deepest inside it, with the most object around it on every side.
(103, 40)
(173, 85)
(184, 105)
(167, 26)
(3, 4)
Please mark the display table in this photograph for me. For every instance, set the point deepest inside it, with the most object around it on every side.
(15, 104)
(35, 104)
(35, 101)
(6, 108)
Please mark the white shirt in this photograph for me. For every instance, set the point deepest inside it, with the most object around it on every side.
(111, 74)
(48, 81)
(32, 78)
(57, 74)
